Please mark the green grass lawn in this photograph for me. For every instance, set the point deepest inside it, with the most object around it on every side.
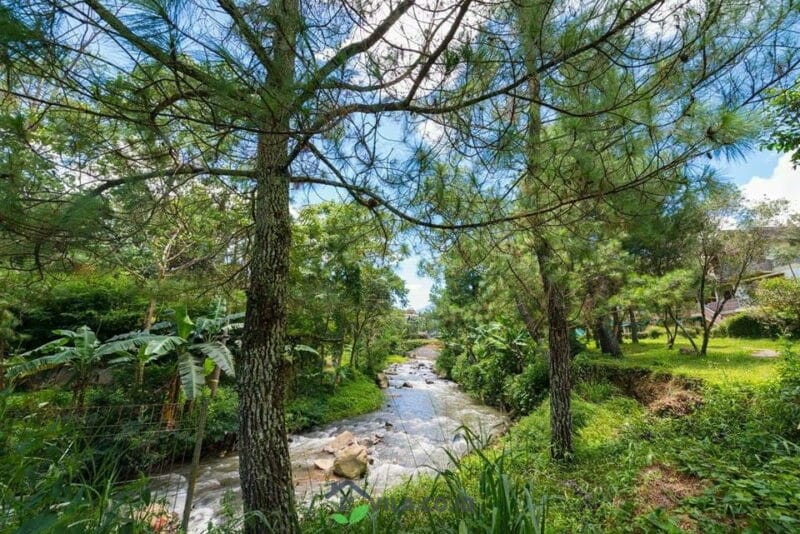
(729, 360)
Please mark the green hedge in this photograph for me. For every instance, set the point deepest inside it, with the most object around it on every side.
(750, 325)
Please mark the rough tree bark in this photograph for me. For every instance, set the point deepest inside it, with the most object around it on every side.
(558, 341)
(634, 326)
(606, 339)
(531, 20)
(264, 463)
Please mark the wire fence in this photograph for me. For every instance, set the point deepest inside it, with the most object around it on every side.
(120, 446)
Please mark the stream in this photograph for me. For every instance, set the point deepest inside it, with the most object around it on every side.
(409, 435)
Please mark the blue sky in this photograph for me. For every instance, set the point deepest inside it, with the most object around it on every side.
(759, 174)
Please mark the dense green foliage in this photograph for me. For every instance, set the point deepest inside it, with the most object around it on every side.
(353, 396)
(501, 368)
(785, 135)
(148, 384)
(779, 299)
(752, 325)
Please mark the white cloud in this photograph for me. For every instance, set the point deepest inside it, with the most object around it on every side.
(419, 287)
(784, 182)
(419, 294)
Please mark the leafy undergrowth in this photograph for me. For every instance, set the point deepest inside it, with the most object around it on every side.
(354, 396)
(731, 463)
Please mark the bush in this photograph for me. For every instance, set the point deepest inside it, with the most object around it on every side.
(447, 359)
(780, 298)
(110, 304)
(354, 396)
(484, 379)
(751, 325)
(460, 367)
(653, 332)
(523, 392)
(497, 354)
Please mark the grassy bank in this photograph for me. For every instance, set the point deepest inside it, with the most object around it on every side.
(354, 396)
(729, 360)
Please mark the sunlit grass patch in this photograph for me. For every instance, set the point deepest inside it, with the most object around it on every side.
(728, 361)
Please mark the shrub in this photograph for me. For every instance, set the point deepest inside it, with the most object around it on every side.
(485, 379)
(110, 304)
(751, 325)
(460, 367)
(653, 332)
(523, 392)
(780, 298)
(496, 354)
(447, 359)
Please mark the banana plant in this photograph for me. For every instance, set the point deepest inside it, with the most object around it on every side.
(187, 343)
(79, 351)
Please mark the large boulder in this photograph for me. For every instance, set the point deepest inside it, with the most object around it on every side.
(382, 380)
(340, 442)
(324, 464)
(351, 462)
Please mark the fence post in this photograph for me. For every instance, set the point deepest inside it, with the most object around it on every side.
(198, 447)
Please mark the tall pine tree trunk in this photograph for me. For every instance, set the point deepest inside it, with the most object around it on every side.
(558, 341)
(264, 463)
(634, 326)
(531, 16)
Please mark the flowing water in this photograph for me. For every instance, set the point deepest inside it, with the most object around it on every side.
(409, 435)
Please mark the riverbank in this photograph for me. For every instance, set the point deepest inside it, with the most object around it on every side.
(353, 396)
(654, 452)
